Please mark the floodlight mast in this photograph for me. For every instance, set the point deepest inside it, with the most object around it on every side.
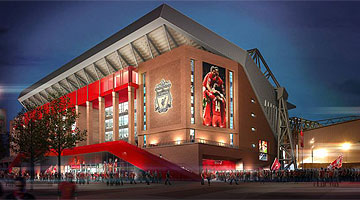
(286, 142)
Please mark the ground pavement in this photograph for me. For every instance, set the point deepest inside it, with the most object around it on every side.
(193, 190)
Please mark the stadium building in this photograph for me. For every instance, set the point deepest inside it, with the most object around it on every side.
(323, 141)
(167, 90)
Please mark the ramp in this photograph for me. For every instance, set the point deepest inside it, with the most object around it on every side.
(131, 154)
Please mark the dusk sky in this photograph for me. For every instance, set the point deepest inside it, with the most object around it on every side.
(311, 47)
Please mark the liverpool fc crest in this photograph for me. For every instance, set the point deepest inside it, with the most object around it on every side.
(163, 99)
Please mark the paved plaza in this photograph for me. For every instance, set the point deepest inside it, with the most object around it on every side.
(193, 190)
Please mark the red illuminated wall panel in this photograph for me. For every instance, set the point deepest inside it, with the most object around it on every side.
(218, 165)
(135, 77)
(82, 95)
(121, 79)
(93, 91)
(95, 104)
(108, 100)
(72, 97)
(107, 85)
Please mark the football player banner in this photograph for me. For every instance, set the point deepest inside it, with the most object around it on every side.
(276, 165)
(336, 163)
(214, 97)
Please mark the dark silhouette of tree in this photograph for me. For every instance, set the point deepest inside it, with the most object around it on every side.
(60, 125)
(29, 137)
(3, 146)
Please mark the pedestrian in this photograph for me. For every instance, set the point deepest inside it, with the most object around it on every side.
(67, 190)
(20, 190)
(208, 177)
(202, 177)
(147, 178)
(167, 180)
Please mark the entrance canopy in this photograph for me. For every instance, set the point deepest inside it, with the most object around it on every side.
(131, 154)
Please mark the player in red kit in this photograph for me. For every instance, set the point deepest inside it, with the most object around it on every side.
(218, 111)
(210, 81)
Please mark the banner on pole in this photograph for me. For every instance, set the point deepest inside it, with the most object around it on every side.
(276, 165)
(336, 163)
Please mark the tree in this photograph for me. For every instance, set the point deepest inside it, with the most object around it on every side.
(3, 143)
(3, 146)
(60, 124)
(29, 138)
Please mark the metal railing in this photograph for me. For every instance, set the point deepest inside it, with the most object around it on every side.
(196, 141)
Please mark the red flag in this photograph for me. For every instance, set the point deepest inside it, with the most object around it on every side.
(336, 163)
(302, 138)
(276, 165)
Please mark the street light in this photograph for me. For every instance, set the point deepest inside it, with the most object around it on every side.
(346, 146)
(312, 141)
(312, 156)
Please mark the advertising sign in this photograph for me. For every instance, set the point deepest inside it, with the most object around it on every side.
(214, 96)
(263, 156)
(263, 146)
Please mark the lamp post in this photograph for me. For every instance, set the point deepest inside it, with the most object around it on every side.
(346, 146)
(312, 141)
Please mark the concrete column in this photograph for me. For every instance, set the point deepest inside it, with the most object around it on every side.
(115, 102)
(131, 96)
(101, 120)
(89, 124)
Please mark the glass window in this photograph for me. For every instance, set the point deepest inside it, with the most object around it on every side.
(144, 140)
(124, 133)
(192, 92)
(109, 124)
(108, 136)
(144, 100)
(231, 100)
(192, 135)
(231, 139)
(109, 111)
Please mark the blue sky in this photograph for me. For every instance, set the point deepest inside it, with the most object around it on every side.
(312, 47)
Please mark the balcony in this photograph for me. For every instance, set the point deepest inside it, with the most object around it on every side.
(196, 141)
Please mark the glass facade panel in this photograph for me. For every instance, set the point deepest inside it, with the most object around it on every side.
(108, 112)
(192, 135)
(108, 136)
(108, 124)
(144, 140)
(123, 121)
(144, 100)
(231, 99)
(192, 90)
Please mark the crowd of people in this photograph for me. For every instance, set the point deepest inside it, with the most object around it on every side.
(68, 181)
(320, 177)
(109, 178)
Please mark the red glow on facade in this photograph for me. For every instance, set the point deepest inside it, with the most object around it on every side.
(218, 165)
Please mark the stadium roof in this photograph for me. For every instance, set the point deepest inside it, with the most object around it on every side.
(157, 32)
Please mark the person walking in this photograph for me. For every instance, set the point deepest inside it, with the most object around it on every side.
(208, 177)
(147, 178)
(167, 180)
(202, 177)
(20, 190)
